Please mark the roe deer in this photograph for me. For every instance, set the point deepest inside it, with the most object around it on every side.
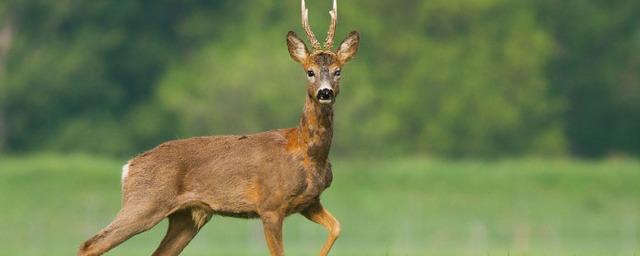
(267, 175)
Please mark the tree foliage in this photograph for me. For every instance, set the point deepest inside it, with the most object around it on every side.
(448, 78)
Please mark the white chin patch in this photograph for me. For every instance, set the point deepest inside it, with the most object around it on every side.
(325, 101)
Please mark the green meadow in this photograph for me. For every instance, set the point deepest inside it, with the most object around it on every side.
(410, 206)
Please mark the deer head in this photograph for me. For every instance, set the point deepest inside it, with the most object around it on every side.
(322, 65)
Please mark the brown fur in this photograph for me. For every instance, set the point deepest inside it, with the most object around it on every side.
(266, 175)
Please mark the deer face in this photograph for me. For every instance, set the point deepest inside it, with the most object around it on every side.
(323, 68)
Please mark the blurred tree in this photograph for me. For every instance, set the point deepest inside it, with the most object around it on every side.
(6, 37)
(470, 82)
(7, 28)
(448, 78)
(80, 67)
(595, 67)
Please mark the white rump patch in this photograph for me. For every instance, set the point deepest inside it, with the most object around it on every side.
(125, 171)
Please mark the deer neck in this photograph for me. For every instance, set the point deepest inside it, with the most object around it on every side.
(315, 131)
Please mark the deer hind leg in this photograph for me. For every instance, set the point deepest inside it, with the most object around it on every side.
(128, 222)
(322, 216)
(183, 226)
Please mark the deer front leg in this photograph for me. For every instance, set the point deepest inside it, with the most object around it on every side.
(272, 224)
(322, 216)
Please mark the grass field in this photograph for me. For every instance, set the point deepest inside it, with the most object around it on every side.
(50, 204)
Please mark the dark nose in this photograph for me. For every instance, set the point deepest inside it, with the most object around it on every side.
(325, 94)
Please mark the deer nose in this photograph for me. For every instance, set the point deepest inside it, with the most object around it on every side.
(325, 95)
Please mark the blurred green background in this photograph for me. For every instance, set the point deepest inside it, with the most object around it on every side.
(489, 127)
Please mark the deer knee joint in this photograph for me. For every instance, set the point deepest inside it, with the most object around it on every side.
(335, 229)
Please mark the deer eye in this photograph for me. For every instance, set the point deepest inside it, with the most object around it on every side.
(310, 73)
(337, 73)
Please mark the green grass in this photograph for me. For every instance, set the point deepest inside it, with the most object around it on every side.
(50, 204)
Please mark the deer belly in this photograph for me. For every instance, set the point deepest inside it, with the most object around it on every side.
(227, 199)
(238, 207)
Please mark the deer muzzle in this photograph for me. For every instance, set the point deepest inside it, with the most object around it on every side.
(325, 95)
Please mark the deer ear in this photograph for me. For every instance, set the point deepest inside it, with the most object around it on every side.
(297, 49)
(349, 47)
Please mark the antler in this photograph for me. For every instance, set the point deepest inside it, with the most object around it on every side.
(332, 28)
(307, 27)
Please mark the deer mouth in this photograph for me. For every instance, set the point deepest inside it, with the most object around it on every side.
(325, 96)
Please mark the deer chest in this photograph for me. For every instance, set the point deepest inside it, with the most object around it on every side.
(315, 182)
